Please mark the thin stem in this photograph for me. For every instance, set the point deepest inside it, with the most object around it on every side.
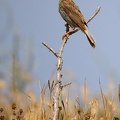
(50, 49)
(96, 12)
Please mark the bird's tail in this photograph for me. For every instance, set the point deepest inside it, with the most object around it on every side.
(90, 38)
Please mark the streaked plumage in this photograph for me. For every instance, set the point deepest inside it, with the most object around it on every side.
(73, 16)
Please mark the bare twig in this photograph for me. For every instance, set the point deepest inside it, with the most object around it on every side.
(66, 85)
(50, 49)
(96, 12)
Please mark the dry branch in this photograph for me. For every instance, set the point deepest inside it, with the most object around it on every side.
(50, 49)
(58, 85)
(96, 12)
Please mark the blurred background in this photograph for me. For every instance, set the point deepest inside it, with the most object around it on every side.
(26, 64)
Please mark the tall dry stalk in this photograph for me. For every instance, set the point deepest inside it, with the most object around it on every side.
(119, 92)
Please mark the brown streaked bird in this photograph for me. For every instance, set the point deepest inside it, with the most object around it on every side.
(71, 13)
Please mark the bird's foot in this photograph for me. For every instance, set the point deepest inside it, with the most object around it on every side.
(66, 35)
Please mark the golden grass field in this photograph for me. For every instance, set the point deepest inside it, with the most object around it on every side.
(19, 105)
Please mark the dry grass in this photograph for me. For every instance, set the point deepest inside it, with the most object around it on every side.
(25, 105)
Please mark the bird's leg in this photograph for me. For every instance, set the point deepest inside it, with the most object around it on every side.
(67, 33)
(67, 27)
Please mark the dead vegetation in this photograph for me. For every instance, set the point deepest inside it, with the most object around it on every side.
(26, 106)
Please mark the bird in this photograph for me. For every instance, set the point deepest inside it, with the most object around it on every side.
(71, 13)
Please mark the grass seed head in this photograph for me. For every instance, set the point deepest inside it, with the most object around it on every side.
(21, 111)
(1, 109)
(14, 106)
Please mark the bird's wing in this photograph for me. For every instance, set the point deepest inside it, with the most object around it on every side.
(75, 14)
